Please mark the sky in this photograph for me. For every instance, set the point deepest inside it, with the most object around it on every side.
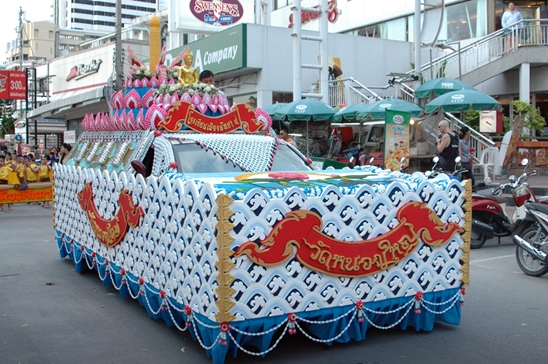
(36, 10)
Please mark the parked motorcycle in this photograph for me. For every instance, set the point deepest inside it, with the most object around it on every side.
(531, 238)
(489, 217)
(437, 169)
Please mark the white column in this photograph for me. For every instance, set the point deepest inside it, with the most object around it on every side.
(524, 82)
(417, 39)
(264, 98)
(297, 60)
(324, 33)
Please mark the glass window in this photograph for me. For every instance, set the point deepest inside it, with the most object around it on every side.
(287, 160)
(394, 29)
(278, 4)
(282, 97)
(192, 158)
(250, 99)
(465, 20)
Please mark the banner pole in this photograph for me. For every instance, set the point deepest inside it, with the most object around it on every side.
(27, 106)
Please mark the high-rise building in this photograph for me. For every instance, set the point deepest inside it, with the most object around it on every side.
(98, 15)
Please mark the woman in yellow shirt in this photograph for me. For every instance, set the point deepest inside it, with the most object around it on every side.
(45, 170)
(30, 171)
(4, 174)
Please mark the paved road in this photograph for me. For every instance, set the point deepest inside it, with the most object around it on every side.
(51, 314)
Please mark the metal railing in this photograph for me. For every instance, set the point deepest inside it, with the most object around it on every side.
(349, 91)
(530, 32)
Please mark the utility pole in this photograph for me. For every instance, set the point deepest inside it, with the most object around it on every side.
(20, 38)
(26, 77)
(119, 61)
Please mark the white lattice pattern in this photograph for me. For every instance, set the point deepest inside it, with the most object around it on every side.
(291, 287)
(174, 247)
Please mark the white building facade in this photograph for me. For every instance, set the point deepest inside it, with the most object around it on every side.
(100, 15)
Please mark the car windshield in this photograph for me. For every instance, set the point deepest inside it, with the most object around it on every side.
(192, 158)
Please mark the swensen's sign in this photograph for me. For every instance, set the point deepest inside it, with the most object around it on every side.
(217, 12)
(306, 16)
(83, 70)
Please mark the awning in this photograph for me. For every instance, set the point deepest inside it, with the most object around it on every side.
(63, 103)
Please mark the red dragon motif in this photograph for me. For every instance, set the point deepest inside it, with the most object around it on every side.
(110, 232)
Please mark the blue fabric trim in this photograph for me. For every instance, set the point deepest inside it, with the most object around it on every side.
(152, 302)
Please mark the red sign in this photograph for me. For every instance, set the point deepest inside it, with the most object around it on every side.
(306, 16)
(182, 112)
(13, 85)
(301, 230)
(217, 12)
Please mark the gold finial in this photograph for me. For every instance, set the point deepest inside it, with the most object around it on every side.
(155, 43)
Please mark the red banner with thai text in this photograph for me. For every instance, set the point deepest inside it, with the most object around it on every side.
(300, 234)
(182, 114)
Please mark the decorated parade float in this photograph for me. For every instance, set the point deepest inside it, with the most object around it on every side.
(243, 257)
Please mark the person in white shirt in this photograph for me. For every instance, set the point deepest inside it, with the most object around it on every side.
(509, 20)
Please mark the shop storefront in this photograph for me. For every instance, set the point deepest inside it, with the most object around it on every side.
(79, 85)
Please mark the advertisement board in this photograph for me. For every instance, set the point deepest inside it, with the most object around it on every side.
(396, 139)
(512, 145)
(69, 136)
(13, 85)
(209, 16)
(218, 53)
(491, 122)
(82, 70)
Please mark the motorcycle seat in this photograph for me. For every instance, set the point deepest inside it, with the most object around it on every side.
(537, 207)
(497, 199)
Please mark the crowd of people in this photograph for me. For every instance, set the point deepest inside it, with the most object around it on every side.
(18, 169)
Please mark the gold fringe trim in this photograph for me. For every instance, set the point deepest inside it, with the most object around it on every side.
(53, 207)
(224, 264)
(465, 259)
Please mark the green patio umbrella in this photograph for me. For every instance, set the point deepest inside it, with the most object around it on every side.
(349, 112)
(463, 100)
(376, 110)
(440, 86)
(305, 110)
(271, 110)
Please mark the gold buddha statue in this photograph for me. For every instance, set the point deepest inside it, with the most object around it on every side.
(187, 73)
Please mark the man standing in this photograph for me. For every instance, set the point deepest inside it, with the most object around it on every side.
(285, 136)
(510, 18)
(448, 146)
(207, 77)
